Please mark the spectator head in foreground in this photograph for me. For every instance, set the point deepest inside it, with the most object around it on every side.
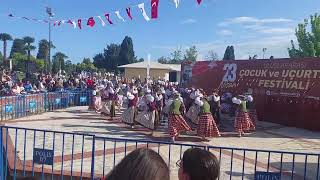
(141, 164)
(198, 164)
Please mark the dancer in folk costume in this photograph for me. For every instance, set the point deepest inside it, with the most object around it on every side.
(120, 95)
(215, 106)
(177, 124)
(207, 126)
(105, 110)
(159, 103)
(242, 119)
(129, 115)
(96, 99)
(194, 110)
(252, 111)
(149, 117)
(112, 101)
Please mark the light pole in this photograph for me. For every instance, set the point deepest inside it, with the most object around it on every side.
(264, 51)
(50, 14)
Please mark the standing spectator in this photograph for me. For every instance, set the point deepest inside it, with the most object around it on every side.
(28, 87)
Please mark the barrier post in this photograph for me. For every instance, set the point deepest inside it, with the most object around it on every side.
(93, 154)
(1, 155)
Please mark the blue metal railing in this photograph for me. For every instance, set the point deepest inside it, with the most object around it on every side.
(13, 107)
(87, 156)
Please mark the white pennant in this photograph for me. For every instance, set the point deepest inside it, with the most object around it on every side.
(143, 11)
(119, 16)
(74, 24)
(176, 2)
(102, 22)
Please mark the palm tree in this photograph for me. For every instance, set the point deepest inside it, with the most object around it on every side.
(58, 62)
(5, 37)
(28, 47)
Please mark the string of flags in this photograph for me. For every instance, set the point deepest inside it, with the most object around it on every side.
(107, 18)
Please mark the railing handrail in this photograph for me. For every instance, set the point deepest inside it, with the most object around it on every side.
(163, 142)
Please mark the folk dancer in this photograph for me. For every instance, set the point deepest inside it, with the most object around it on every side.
(193, 111)
(129, 115)
(215, 106)
(242, 119)
(177, 124)
(149, 117)
(96, 99)
(252, 111)
(207, 126)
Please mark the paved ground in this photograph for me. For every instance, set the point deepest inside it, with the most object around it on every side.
(71, 155)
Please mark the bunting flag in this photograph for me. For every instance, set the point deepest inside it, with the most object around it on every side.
(176, 2)
(154, 9)
(108, 18)
(79, 23)
(143, 11)
(102, 22)
(119, 16)
(73, 24)
(129, 12)
(91, 22)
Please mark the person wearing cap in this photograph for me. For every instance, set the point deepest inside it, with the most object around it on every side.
(193, 111)
(207, 128)
(242, 119)
(177, 124)
(129, 115)
(149, 117)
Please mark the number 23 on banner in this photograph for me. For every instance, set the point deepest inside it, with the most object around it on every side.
(231, 74)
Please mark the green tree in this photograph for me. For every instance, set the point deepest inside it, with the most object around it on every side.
(126, 55)
(212, 56)
(163, 60)
(58, 62)
(18, 47)
(111, 54)
(309, 42)
(176, 56)
(191, 54)
(229, 53)
(43, 52)
(99, 60)
(28, 45)
(5, 38)
(86, 65)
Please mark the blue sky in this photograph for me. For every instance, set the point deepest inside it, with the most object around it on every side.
(249, 25)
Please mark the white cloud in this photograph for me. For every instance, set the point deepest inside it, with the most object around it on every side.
(252, 20)
(188, 21)
(225, 32)
(277, 30)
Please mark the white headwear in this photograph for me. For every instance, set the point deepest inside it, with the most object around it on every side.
(150, 98)
(236, 100)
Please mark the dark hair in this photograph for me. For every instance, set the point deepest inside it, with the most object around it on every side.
(26, 178)
(200, 164)
(141, 164)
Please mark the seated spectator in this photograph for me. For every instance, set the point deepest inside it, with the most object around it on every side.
(141, 164)
(198, 164)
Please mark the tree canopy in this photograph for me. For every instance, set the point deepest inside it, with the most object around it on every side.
(308, 42)
(229, 53)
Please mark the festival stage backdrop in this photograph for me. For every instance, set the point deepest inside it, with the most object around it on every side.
(286, 91)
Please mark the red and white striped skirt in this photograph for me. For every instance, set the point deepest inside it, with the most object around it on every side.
(242, 122)
(253, 116)
(177, 124)
(207, 126)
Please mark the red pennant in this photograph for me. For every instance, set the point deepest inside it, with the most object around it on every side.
(199, 1)
(129, 12)
(59, 23)
(25, 18)
(91, 22)
(79, 23)
(108, 18)
(154, 9)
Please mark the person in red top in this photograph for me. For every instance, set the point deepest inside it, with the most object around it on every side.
(90, 83)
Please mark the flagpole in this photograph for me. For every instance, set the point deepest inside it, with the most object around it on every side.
(148, 70)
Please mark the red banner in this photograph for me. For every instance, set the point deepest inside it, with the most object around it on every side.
(286, 91)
